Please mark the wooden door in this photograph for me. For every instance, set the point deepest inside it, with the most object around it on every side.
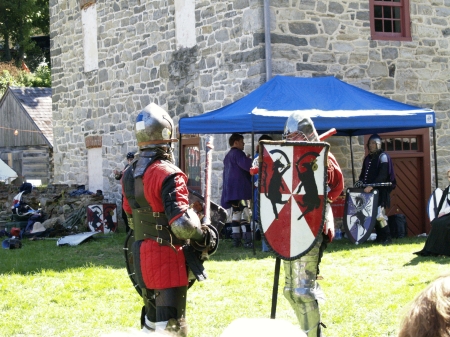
(408, 197)
(410, 153)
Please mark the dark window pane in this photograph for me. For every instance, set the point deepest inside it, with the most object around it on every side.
(389, 145)
(378, 25)
(378, 12)
(414, 144)
(388, 26)
(192, 163)
(397, 0)
(397, 144)
(397, 26)
(387, 12)
(406, 144)
(397, 12)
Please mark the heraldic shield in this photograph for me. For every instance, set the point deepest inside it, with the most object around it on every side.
(360, 213)
(292, 195)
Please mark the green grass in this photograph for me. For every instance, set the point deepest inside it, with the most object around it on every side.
(84, 290)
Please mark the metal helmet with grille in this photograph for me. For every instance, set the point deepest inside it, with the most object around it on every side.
(154, 128)
(377, 139)
(299, 126)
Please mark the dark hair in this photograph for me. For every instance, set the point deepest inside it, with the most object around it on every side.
(235, 137)
(130, 155)
(265, 137)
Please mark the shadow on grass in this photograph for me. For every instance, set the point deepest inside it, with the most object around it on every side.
(35, 256)
(107, 252)
(345, 244)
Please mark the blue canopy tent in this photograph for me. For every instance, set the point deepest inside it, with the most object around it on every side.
(330, 102)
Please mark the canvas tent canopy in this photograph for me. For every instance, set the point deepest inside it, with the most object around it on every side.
(330, 102)
(7, 174)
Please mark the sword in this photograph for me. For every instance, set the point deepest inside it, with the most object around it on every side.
(378, 184)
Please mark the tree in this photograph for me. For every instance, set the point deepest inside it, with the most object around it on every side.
(10, 75)
(19, 21)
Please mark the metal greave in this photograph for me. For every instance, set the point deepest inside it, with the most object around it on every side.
(300, 288)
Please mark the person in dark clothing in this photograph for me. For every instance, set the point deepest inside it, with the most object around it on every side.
(438, 242)
(118, 176)
(377, 168)
(237, 189)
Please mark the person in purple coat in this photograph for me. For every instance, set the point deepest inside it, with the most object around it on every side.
(237, 189)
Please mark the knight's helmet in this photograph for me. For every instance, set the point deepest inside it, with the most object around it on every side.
(375, 137)
(154, 128)
(299, 126)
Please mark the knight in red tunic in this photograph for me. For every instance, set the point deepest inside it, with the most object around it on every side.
(169, 237)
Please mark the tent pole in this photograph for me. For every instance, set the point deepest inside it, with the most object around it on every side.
(253, 223)
(179, 152)
(435, 158)
(353, 164)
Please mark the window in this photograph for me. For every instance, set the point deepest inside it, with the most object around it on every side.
(89, 23)
(400, 144)
(185, 23)
(389, 20)
(190, 162)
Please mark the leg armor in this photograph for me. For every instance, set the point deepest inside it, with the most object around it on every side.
(165, 311)
(384, 231)
(381, 217)
(302, 291)
(235, 224)
(247, 233)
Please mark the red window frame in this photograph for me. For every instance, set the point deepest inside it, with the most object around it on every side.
(387, 16)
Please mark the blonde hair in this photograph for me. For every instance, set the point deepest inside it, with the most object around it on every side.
(429, 314)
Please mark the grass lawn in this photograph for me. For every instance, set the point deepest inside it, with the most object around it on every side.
(46, 290)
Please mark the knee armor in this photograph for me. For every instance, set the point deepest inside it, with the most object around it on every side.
(302, 291)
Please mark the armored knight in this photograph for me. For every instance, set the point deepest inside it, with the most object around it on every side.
(166, 230)
(301, 287)
(378, 168)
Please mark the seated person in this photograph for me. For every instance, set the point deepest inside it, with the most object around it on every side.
(438, 242)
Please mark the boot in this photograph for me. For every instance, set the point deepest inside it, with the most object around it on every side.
(387, 239)
(248, 240)
(236, 239)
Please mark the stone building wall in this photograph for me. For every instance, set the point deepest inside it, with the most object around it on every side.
(140, 62)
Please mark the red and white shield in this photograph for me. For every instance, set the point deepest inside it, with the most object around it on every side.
(292, 195)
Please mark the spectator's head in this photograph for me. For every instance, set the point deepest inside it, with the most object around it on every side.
(130, 156)
(429, 315)
(299, 126)
(154, 128)
(374, 143)
(236, 140)
(263, 137)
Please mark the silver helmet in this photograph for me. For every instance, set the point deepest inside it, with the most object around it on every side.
(300, 127)
(377, 139)
(154, 128)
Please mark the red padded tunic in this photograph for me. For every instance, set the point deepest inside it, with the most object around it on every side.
(161, 266)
